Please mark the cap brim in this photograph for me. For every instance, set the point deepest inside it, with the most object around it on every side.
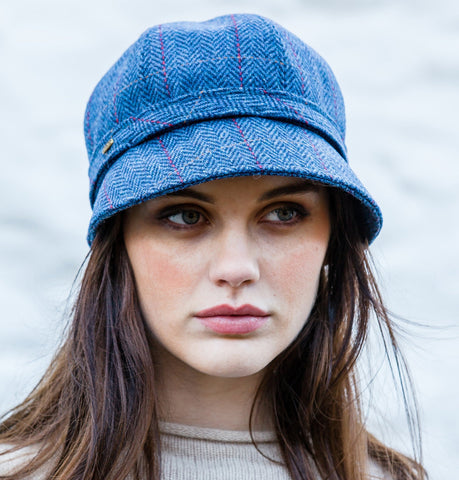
(226, 147)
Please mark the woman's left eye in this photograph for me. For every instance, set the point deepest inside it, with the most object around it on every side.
(185, 217)
(285, 214)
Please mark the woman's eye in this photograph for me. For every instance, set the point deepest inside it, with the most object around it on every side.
(283, 215)
(185, 217)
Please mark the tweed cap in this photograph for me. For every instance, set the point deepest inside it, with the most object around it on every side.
(190, 102)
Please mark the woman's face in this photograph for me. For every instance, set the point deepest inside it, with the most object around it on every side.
(227, 271)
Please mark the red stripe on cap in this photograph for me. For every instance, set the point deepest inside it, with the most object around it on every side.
(248, 145)
(166, 152)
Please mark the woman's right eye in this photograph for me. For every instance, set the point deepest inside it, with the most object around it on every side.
(185, 217)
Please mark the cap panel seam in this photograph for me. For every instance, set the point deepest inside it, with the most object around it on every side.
(238, 47)
(163, 59)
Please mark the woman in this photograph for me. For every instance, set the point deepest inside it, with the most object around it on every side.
(228, 292)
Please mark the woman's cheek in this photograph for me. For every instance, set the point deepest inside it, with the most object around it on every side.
(163, 275)
(296, 272)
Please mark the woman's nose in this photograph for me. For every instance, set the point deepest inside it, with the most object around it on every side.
(234, 260)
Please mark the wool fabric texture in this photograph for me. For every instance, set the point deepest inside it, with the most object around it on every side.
(196, 453)
(191, 102)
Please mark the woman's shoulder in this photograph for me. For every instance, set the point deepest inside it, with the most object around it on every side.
(11, 460)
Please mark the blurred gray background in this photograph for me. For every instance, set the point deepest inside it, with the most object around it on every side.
(398, 65)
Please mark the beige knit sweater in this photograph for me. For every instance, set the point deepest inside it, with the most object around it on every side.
(192, 453)
(195, 453)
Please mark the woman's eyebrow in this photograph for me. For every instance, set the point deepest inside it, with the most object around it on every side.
(188, 192)
(302, 187)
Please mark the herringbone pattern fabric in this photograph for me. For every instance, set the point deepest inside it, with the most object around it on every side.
(194, 101)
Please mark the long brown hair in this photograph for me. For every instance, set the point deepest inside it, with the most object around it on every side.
(94, 414)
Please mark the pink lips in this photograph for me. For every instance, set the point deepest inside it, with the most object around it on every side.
(227, 320)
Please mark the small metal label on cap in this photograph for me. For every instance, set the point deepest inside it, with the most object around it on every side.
(107, 146)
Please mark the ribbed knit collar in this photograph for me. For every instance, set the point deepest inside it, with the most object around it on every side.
(216, 435)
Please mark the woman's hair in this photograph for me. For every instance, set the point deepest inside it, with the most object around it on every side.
(94, 414)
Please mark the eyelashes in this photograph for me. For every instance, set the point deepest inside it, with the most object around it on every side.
(285, 214)
(186, 217)
(182, 217)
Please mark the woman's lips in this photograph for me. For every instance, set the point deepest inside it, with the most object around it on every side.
(228, 320)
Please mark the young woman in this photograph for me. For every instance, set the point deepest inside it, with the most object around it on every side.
(228, 292)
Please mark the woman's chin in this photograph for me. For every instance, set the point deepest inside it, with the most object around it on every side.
(231, 370)
(227, 365)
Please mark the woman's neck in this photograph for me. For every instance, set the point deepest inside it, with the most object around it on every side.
(190, 397)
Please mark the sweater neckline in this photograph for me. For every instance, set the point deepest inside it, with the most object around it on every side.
(216, 435)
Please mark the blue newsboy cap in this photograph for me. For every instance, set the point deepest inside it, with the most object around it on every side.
(190, 102)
